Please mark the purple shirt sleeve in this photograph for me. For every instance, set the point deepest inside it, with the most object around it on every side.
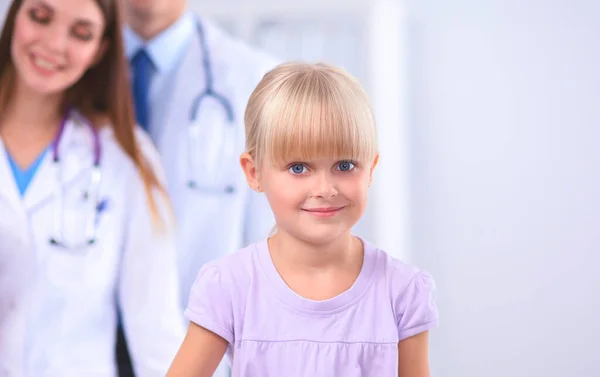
(415, 307)
(209, 305)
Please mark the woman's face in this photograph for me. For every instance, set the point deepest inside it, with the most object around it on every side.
(55, 42)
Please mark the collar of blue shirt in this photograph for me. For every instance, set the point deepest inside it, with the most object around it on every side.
(166, 48)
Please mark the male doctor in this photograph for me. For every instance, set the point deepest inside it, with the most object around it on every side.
(191, 82)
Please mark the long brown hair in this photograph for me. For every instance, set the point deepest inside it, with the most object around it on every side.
(102, 91)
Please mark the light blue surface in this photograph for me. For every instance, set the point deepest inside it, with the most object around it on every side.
(24, 176)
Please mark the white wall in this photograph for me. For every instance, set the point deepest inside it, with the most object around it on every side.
(506, 183)
(4, 4)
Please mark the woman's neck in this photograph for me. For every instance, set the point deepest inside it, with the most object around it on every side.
(29, 122)
(30, 112)
(292, 251)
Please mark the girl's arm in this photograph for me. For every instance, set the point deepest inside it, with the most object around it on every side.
(416, 314)
(199, 355)
(413, 356)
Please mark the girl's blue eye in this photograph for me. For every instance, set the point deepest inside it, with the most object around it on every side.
(297, 169)
(346, 165)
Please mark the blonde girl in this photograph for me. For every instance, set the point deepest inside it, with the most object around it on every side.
(313, 299)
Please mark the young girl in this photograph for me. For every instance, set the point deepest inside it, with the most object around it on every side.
(312, 300)
(84, 228)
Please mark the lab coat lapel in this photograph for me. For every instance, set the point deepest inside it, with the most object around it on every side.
(226, 82)
(189, 83)
(76, 150)
(9, 192)
(220, 58)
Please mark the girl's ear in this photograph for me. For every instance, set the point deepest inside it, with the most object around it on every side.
(249, 168)
(375, 161)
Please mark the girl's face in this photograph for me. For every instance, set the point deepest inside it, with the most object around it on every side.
(55, 42)
(317, 201)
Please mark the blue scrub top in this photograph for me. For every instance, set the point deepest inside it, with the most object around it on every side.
(23, 177)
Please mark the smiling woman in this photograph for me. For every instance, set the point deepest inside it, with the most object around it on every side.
(74, 170)
(37, 60)
(57, 50)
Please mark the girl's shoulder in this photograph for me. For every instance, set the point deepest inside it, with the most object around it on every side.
(232, 273)
(412, 292)
(398, 274)
(240, 263)
(401, 274)
(221, 289)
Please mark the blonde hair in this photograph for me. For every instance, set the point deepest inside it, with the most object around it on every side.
(306, 111)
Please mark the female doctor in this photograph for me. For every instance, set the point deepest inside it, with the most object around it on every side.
(84, 221)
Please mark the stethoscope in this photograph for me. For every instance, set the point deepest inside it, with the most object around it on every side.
(220, 144)
(91, 195)
(224, 142)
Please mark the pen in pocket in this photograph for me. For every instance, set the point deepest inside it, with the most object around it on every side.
(100, 208)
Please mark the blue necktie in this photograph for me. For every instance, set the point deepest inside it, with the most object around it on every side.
(142, 68)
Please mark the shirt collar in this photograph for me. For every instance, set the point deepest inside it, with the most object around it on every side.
(167, 47)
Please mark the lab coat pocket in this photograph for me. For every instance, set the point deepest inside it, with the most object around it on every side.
(72, 270)
(212, 156)
(73, 263)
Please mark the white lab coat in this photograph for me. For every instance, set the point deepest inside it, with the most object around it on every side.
(212, 225)
(58, 308)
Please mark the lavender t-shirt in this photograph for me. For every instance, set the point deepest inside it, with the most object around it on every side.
(272, 331)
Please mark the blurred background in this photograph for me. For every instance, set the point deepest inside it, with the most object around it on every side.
(489, 124)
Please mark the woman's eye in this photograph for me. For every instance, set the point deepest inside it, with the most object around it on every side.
(82, 34)
(346, 165)
(39, 16)
(297, 169)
